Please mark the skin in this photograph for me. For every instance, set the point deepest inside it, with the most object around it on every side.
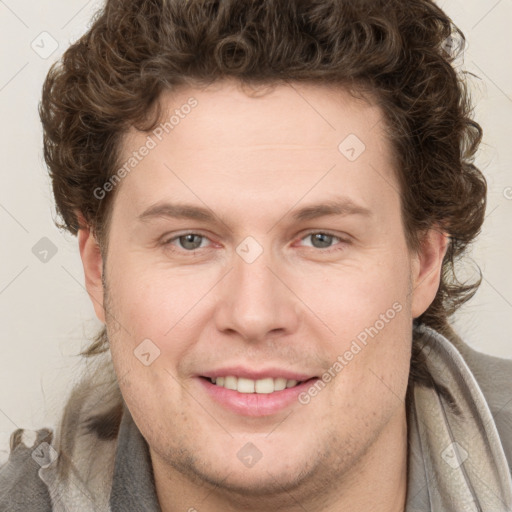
(253, 161)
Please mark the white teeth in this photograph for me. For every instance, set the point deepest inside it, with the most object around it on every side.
(279, 384)
(230, 383)
(263, 386)
(245, 385)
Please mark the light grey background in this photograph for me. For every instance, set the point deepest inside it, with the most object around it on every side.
(46, 313)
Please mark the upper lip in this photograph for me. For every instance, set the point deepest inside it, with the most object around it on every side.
(248, 373)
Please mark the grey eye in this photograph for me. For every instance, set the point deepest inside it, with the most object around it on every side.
(188, 242)
(321, 240)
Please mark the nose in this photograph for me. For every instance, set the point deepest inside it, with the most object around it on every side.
(256, 300)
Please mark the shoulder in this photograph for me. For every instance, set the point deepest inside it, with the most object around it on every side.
(21, 488)
(494, 377)
(76, 464)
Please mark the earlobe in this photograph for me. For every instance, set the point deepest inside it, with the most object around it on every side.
(93, 267)
(427, 270)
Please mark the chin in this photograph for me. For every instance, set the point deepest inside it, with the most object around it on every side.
(264, 481)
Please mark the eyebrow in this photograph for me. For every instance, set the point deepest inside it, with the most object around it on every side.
(341, 207)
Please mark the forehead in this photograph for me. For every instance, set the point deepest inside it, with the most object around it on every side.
(303, 114)
(280, 144)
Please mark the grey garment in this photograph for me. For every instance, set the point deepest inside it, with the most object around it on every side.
(21, 489)
(133, 490)
(133, 485)
(480, 421)
(457, 461)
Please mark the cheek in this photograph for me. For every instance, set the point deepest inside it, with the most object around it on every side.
(147, 299)
(157, 311)
(369, 319)
(354, 299)
(147, 343)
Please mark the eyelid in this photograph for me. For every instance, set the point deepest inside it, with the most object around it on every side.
(167, 241)
(340, 237)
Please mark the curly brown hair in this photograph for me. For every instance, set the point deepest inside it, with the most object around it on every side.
(399, 52)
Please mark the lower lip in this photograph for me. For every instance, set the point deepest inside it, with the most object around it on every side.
(255, 404)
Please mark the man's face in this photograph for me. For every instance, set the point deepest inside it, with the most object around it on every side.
(260, 293)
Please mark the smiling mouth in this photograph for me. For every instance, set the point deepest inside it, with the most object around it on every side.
(261, 386)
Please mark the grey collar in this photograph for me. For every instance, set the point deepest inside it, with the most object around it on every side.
(133, 486)
(455, 457)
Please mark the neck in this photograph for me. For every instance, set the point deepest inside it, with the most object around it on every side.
(378, 482)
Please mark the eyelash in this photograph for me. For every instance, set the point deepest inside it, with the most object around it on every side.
(167, 243)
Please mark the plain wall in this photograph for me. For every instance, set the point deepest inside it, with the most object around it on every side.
(47, 315)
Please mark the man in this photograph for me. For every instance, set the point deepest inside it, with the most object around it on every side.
(269, 199)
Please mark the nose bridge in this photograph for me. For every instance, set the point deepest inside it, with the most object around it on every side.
(254, 301)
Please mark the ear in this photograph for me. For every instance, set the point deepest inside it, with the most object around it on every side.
(426, 270)
(93, 266)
